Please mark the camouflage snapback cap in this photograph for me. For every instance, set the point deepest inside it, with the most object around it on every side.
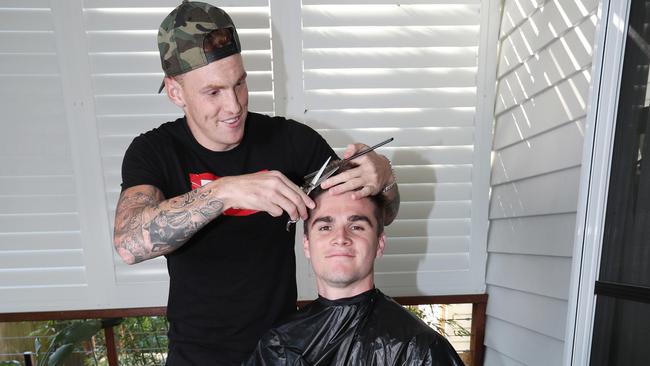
(193, 35)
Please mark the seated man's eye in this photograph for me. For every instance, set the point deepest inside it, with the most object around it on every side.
(324, 228)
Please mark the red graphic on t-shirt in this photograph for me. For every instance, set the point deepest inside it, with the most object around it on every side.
(199, 180)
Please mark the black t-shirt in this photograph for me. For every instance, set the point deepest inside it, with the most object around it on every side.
(235, 277)
(368, 329)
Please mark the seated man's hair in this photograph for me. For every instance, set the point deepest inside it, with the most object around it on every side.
(378, 201)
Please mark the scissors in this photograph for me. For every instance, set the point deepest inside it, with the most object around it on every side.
(328, 169)
(334, 166)
(317, 179)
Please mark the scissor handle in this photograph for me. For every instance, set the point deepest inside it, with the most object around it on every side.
(365, 151)
(339, 163)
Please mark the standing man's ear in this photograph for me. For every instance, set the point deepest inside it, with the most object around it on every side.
(380, 245)
(174, 91)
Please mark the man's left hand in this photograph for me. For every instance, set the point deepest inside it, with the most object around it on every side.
(371, 175)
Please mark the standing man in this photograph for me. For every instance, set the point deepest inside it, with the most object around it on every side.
(351, 322)
(212, 191)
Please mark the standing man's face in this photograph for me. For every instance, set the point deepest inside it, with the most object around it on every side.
(342, 242)
(215, 100)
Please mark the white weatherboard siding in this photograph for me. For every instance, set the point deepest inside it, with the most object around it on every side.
(542, 94)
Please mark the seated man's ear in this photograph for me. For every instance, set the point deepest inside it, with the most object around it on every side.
(380, 245)
(305, 246)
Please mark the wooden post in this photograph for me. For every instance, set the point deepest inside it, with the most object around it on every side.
(111, 351)
(478, 333)
(29, 358)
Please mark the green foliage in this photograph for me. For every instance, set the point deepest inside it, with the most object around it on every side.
(143, 341)
(140, 341)
(59, 355)
(439, 325)
(415, 310)
(61, 339)
(458, 329)
(65, 340)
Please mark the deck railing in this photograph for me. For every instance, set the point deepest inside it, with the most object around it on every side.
(477, 349)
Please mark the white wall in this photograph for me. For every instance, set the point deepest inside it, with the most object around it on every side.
(542, 94)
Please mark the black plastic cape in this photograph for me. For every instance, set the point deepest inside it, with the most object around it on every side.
(367, 329)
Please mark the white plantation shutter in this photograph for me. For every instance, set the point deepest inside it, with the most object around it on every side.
(79, 82)
(408, 70)
(41, 254)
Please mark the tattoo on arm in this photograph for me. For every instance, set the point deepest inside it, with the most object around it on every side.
(146, 226)
(128, 235)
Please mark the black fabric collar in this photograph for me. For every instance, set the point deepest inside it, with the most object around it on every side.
(356, 299)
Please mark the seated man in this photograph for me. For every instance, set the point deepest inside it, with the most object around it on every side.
(351, 322)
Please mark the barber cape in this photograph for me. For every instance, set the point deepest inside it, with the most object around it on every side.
(367, 329)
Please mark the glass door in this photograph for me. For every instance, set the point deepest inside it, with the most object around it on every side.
(621, 324)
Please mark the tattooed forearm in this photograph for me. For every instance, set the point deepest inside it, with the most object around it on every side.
(128, 226)
(189, 198)
(212, 209)
(146, 226)
(171, 229)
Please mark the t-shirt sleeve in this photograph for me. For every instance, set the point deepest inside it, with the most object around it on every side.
(309, 147)
(139, 165)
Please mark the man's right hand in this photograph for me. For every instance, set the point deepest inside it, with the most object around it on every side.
(147, 226)
(268, 191)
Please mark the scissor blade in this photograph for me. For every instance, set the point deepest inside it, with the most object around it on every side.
(309, 177)
(319, 173)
